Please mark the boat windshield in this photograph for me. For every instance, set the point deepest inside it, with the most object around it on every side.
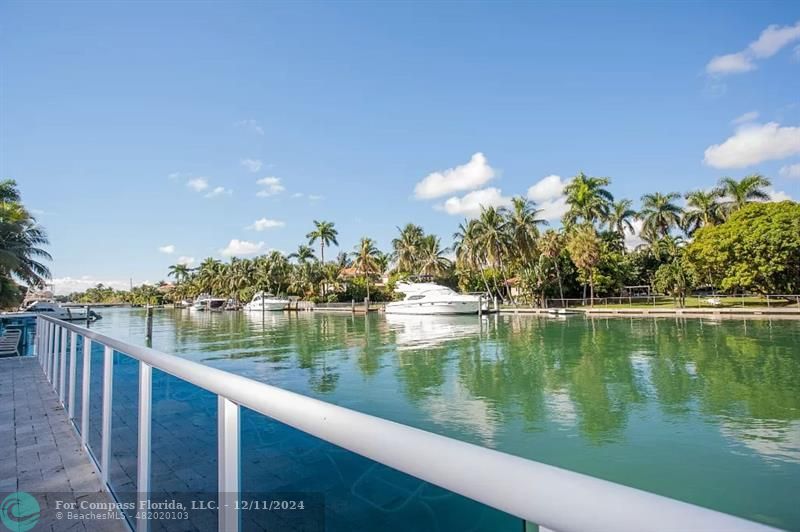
(425, 290)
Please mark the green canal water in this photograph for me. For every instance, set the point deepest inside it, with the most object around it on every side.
(699, 410)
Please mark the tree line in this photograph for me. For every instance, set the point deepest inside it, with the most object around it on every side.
(729, 238)
(510, 252)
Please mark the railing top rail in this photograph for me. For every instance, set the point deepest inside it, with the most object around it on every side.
(549, 496)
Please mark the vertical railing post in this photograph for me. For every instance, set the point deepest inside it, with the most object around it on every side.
(87, 373)
(108, 390)
(46, 348)
(143, 455)
(228, 463)
(54, 355)
(36, 344)
(56, 349)
(62, 366)
(49, 350)
(73, 353)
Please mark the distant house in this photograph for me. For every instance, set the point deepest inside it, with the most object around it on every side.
(166, 288)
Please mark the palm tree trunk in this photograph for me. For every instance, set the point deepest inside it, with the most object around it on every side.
(322, 258)
(485, 282)
(558, 276)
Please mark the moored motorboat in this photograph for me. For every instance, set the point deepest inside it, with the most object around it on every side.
(431, 298)
(206, 302)
(54, 310)
(263, 301)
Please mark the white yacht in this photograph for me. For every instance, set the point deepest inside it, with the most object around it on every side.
(206, 302)
(431, 298)
(54, 310)
(263, 301)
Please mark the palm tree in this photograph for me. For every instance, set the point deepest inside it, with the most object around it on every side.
(179, 272)
(467, 249)
(659, 213)
(407, 247)
(365, 259)
(584, 249)
(303, 254)
(432, 260)
(737, 194)
(208, 275)
(587, 198)
(703, 208)
(493, 237)
(550, 245)
(619, 218)
(382, 260)
(326, 234)
(523, 228)
(271, 272)
(21, 239)
(343, 259)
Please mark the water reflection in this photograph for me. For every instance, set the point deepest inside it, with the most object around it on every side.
(420, 332)
(672, 405)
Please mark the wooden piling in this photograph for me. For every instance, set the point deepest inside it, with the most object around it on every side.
(149, 323)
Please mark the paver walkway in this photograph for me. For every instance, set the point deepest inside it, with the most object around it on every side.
(42, 453)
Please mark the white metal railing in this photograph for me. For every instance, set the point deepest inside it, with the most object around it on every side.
(552, 497)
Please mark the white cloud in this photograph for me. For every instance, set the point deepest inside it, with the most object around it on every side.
(552, 210)
(633, 238)
(790, 170)
(252, 165)
(187, 261)
(241, 248)
(219, 191)
(730, 64)
(751, 116)
(471, 203)
(771, 41)
(264, 224)
(467, 176)
(174, 175)
(168, 249)
(315, 197)
(547, 188)
(297, 195)
(66, 285)
(271, 186)
(250, 125)
(548, 193)
(198, 184)
(754, 143)
(778, 195)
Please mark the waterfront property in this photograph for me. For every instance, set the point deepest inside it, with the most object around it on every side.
(713, 422)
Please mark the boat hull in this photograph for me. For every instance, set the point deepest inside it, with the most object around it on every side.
(266, 306)
(439, 308)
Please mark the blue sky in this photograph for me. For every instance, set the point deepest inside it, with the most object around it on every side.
(118, 120)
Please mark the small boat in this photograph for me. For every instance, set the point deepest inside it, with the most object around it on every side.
(206, 302)
(431, 298)
(54, 310)
(263, 301)
(561, 311)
